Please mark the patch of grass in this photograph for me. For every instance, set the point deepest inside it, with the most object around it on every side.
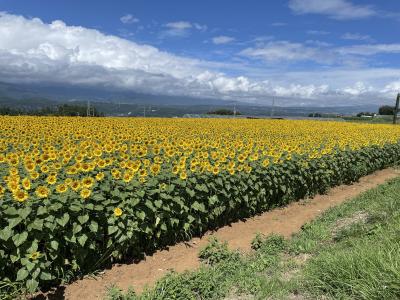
(368, 269)
(216, 252)
(350, 252)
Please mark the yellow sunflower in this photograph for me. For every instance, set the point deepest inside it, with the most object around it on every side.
(20, 195)
(85, 193)
(42, 191)
(117, 212)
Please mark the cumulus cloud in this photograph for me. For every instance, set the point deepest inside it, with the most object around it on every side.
(222, 39)
(129, 19)
(34, 51)
(335, 9)
(392, 87)
(358, 89)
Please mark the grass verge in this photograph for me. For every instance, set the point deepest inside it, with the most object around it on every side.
(351, 252)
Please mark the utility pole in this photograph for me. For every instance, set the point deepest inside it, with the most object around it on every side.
(144, 111)
(396, 109)
(273, 106)
(88, 109)
(234, 110)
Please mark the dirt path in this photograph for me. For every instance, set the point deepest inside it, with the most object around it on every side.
(183, 256)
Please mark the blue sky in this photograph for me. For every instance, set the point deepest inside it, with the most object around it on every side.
(331, 52)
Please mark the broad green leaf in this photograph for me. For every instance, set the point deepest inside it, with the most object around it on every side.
(112, 229)
(82, 239)
(20, 238)
(198, 206)
(54, 245)
(93, 226)
(6, 233)
(83, 219)
(63, 220)
(32, 285)
(22, 274)
(46, 276)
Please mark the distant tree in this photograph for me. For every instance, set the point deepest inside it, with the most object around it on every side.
(369, 114)
(315, 115)
(223, 112)
(61, 110)
(386, 110)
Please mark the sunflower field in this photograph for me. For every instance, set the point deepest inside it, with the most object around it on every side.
(77, 194)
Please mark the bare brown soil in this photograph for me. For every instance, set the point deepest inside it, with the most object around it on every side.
(183, 256)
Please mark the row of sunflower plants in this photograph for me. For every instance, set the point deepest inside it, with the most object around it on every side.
(70, 234)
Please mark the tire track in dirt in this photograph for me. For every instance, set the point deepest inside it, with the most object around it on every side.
(183, 256)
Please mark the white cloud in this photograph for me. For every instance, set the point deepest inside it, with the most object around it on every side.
(392, 87)
(181, 29)
(335, 9)
(369, 49)
(279, 24)
(317, 32)
(34, 51)
(277, 51)
(222, 39)
(200, 27)
(356, 37)
(181, 25)
(320, 52)
(129, 19)
(358, 89)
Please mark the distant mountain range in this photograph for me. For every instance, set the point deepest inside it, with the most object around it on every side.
(116, 102)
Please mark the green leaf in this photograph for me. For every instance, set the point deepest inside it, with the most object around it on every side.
(32, 285)
(29, 265)
(133, 202)
(14, 222)
(54, 245)
(41, 210)
(112, 229)
(98, 197)
(34, 247)
(24, 212)
(75, 208)
(94, 227)
(158, 203)
(11, 211)
(63, 220)
(45, 276)
(37, 224)
(83, 219)
(191, 192)
(186, 226)
(22, 274)
(141, 215)
(213, 199)
(19, 239)
(76, 228)
(150, 205)
(6, 233)
(198, 206)
(82, 239)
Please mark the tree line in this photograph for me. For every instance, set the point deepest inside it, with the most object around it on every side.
(60, 110)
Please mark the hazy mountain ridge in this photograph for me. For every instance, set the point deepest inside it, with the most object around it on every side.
(116, 102)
